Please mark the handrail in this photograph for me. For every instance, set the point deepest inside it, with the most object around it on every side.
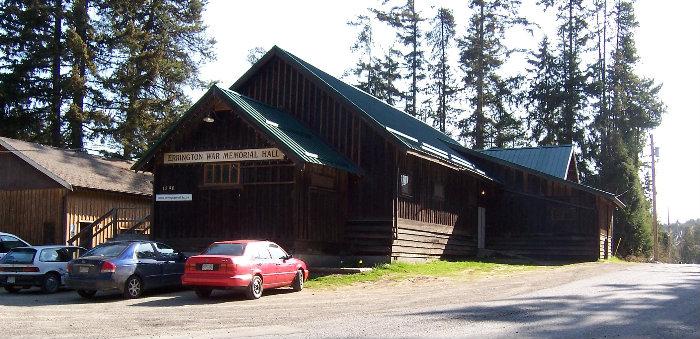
(139, 223)
(89, 228)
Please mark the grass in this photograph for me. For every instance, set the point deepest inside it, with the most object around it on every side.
(615, 260)
(402, 271)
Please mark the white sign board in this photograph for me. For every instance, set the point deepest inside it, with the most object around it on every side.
(224, 155)
(173, 197)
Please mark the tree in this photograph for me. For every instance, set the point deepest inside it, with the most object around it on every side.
(255, 54)
(160, 48)
(443, 88)
(406, 20)
(544, 98)
(26, 86)
(635, 109)
(482, 55)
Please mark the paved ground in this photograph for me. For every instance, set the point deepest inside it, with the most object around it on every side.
(593, 300)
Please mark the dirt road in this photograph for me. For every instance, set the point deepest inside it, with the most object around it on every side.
(583, 300)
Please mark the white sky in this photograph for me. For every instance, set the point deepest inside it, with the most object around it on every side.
(316, 31)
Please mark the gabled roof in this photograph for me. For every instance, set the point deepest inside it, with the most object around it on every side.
(484, 156)
(78, 169)
(294, 138)
(287, 131)
(408, 131)
(552, 160)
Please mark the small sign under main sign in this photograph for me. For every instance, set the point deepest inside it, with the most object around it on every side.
(173, 197)
(223, 155)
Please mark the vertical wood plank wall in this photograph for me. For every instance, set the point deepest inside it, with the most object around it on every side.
(430, 226)
(26, 212)
(84, 205)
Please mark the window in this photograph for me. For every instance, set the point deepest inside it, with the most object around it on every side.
(107, 250)
(277, 252)
(263, 253)
(19, 256)
(8, 242)
(145, 251)
(221, 174)
(406, 185)
(64, 254)
(438, 191)
(165, 251)
(225, 249)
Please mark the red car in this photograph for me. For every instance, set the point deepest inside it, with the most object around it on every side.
(246, 265)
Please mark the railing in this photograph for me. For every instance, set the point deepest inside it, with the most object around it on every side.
(110, 225)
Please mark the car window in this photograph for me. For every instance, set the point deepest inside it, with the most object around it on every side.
(19, 256)
(262, 253)
(65, 254)
(107, 250)
(145, 251)
(277, 252)
(9, 242)
(225, 249)
(164, 249)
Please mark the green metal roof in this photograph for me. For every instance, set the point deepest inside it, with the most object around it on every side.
(280, 126)
(287, 131)
(407, 130)
(552, 160)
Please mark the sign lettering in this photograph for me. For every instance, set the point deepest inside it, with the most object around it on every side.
(225, 155)
(173, 197)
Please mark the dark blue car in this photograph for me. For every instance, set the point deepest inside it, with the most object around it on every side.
(127, 267)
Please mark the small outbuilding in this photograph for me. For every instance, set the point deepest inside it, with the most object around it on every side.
(55, 196)
(292, 154)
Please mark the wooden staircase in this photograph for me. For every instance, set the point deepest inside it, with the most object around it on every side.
(117, 223)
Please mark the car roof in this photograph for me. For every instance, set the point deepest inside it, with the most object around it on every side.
(244, 241)
(49, 246)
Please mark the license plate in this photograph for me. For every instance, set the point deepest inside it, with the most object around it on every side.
(10, 280)
(207, 267)
(84, 269)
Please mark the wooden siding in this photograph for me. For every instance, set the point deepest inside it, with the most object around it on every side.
(418, 240)
(85, 205)
(16, 174)
(33, 215)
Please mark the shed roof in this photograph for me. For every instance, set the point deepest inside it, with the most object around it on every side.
(407, 130)
(79, 169)
(287, 131)
(552, 160)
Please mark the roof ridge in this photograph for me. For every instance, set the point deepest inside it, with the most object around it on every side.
(527, 147)
(67, 150)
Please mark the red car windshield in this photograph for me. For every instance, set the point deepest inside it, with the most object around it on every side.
(225, 249)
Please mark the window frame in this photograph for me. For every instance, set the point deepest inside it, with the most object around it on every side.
(409, 184)
(211, 168)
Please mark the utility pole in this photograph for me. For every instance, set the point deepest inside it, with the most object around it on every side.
(653, 199)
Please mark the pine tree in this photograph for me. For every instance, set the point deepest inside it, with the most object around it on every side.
(482, 55)
(442, 88)
(635, 109)
(26, 43)
(406, 20)
(544, 96)
(254, 54)
(161, 46)
(365, 69)
(387, 71)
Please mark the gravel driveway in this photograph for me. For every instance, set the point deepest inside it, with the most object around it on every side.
(582, 300)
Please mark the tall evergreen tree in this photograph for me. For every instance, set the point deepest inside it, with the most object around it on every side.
(406, 20)
(443, 88)
(161, 46)
(544, 95)
(366, 65)
(482, 55)
(635, 109)
(26, 43)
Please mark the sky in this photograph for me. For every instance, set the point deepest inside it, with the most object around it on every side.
(316, 31)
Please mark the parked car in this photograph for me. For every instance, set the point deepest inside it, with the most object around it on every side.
(249, 266)
(40, 266)
(9, 241)
(128, 267)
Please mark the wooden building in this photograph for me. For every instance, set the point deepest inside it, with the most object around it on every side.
(54, 196)
(292, 154)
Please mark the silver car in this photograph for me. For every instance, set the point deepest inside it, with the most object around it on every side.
(9, 241)
(40, 266)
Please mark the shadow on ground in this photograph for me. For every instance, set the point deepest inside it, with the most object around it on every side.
(649, 309)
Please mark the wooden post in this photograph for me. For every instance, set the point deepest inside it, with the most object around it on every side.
(653, 199)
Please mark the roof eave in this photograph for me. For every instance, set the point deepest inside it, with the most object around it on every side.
(36, 165)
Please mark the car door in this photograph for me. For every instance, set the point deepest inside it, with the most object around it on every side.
(172, 265)
(148, 267)
(284, 269)
(263, 261)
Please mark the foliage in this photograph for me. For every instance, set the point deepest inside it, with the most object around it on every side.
(440, 103)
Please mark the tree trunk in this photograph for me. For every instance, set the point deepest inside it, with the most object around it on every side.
(77, 119)
(479, 125)
(55, 124)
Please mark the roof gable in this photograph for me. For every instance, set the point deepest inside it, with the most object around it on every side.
(552, 160)
(403, 129)
(78, 169)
